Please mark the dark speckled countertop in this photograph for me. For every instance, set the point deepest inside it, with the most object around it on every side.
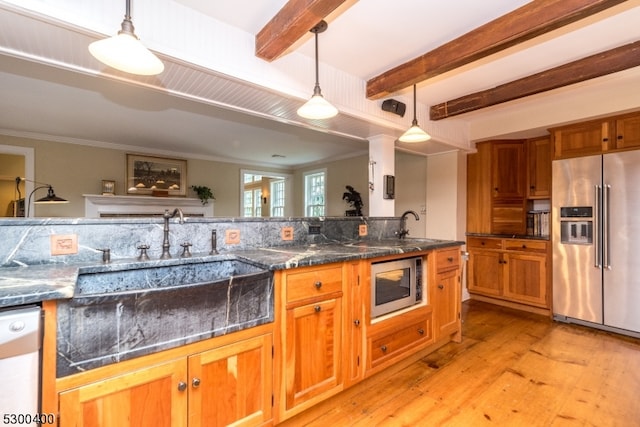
(33, 284)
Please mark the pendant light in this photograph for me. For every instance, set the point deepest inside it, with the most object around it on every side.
(414, 133)
(125, 52)
(317, 107)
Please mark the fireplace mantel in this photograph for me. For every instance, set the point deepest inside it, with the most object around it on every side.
(96, 206)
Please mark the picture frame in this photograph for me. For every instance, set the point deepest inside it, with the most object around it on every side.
(108, 187)
(156, 176)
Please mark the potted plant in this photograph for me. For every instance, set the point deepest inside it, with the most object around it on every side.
(204, 193)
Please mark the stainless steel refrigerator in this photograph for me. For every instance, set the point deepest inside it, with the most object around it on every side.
(596, 241)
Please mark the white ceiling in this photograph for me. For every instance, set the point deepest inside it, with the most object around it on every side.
(215, 100)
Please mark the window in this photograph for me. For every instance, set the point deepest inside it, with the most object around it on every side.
(277, 198)
(314, 193)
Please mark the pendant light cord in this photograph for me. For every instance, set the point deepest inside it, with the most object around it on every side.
(415, 120)
(316, 89)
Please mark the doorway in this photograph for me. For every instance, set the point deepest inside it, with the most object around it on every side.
(15, 162)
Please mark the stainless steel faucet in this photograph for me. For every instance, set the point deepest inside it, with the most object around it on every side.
(165, 243)
(402, 232)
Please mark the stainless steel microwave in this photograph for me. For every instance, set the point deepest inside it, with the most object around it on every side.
(395, 285)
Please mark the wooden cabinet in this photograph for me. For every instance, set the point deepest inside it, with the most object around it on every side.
(312, 335)
(513, 270)
(231, 384)
(539, 168)
(445, 293)
(597, 136)
(507, 171)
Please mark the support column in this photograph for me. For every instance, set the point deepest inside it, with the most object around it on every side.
(381, 162)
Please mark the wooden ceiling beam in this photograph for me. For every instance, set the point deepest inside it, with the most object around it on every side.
(600, 64)
(293, 21)
(522, 24)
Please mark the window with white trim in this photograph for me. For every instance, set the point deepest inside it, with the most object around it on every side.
(315, 193)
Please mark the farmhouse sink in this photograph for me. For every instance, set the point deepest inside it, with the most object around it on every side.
(117, 315)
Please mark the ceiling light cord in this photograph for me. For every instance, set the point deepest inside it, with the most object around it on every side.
(414, 133)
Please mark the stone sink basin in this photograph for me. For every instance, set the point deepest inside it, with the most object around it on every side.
(123, 311)
(149, 276)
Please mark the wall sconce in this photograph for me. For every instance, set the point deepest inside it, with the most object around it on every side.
(50, 198)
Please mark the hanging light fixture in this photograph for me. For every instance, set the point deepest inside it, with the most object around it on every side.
(414, 133)
(50, 198)
(317, 107)
(125, 52)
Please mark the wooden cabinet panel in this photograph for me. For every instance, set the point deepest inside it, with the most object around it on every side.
(539, 168)
(583, 139)
(311, 283)
(507, 170)
(479, 190)
(508, 217)
(526, 276)
(484, 243)
(154, 396)
(485, 272)
(445, 301)
(232, 384)
(313, 350)
(628, 132)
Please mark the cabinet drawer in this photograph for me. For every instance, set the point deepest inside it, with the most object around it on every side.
(523, 245)
(483, 242)
(313, 283)
(386, 346)
(447, 259)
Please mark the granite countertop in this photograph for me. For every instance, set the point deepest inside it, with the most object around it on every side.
(33, 284)
(508, 236)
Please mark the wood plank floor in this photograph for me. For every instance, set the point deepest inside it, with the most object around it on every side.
(512, 368)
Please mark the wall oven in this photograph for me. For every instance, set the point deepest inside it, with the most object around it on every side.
(395, 285)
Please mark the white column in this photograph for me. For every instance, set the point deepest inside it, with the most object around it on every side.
(381, 162)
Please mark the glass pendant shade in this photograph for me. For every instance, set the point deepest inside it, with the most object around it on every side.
(414, 133)
(126, 53)
(317, 108)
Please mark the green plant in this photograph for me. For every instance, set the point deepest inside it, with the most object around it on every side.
(204, 193)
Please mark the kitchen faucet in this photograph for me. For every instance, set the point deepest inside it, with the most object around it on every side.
(402, 232)
(165, 242)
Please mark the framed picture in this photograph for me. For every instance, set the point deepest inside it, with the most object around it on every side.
(108, 187)
(148, 175)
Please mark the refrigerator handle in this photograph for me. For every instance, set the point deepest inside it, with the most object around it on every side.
(598, 224)
(606, 235)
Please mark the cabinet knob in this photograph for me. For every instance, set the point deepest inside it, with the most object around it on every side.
(195, 382)
(441, 286)
(317, 308)
(524, 246)
(356, 322)
(421, 331)
(182, 386)
(620, 137)
(605, 139)
(383, 348)
(450, 259)
(318, 284)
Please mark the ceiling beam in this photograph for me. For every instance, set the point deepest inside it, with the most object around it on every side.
(520, 25)
(600, 64)
(293, 21)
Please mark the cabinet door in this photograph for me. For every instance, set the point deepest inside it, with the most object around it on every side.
(485, 272)
(628, 132)
(584, 139)
(539, 168)
(232, 384)
(507, 170)
(354, 323)
(313, 350)
(153, 397)
(445, 302)
(527, 278)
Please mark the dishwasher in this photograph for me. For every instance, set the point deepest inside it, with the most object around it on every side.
(20, 342)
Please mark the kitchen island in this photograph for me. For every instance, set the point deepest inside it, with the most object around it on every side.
(312, 336)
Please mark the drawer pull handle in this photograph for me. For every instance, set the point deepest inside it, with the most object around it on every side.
(450, 259)
(182, 386)
(383, 348)
(318, 284)
(356, 322)
(421, 331)
(317, 308)
(195, 382)
(524, 246)
(440, 286)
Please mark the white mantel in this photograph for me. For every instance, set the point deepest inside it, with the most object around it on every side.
(96, 206)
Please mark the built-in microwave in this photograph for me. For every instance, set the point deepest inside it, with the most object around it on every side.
(395, 285)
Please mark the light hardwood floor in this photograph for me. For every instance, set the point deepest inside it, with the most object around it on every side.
(511, 369)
